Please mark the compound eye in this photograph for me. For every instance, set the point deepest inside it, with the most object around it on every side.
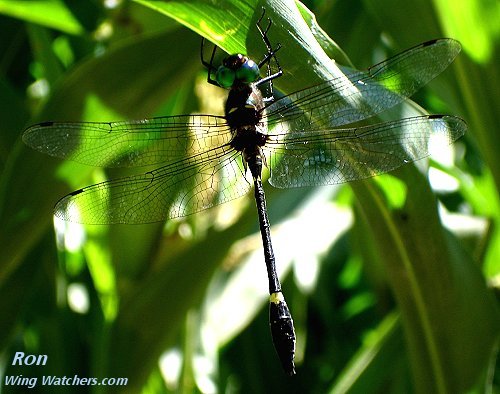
(248, 72)
(225, 77)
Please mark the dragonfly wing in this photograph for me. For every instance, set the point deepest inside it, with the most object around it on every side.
(359, 95)
(129, 143)
(175, 190)
(341, 155)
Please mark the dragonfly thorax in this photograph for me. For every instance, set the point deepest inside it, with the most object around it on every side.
(244, 106)
(244, 109)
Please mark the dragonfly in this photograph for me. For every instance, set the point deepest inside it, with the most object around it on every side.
(305, 138)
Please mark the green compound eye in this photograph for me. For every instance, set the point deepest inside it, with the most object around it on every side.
(225, 77)
(248, 72)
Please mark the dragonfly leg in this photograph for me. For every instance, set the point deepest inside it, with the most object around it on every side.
(271, 54)
(209, 65)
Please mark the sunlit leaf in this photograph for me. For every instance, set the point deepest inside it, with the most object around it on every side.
(50, 13)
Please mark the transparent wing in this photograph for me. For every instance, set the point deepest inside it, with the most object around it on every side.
(131, 143)
(333, 156)
(178, 189)
(359, 95)
(199, 169)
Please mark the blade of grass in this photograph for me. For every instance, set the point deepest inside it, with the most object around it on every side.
(434, 283)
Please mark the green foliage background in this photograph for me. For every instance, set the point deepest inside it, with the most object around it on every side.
(401, 303)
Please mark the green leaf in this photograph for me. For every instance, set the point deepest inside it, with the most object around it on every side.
(49, 13)
(225, 23)
(367, 370)
(232, 28)
(440, 291)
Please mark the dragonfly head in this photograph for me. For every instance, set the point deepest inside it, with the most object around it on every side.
(237, 69)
